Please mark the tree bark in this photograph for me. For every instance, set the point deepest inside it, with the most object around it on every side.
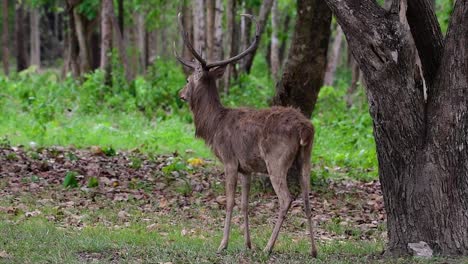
(274, 52)
(5, 38)
(210, 17)
(35, 38)
(421, 142)
(85, 64)
(305, 67)
(230, 41)
(188, 26)
(106, 38)
(120, 45)
(334, 58)
(121, 13)
(199, 34)
(21, 44)
(218, 31)
(141, 43)
(262, 20)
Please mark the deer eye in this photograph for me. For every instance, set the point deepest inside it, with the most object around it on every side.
(186, 80)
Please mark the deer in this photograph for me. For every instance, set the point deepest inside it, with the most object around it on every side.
(248, 141)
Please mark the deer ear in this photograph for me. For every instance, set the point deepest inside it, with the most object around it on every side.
(218, 71)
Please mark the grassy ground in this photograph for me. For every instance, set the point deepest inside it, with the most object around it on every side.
(164, 209)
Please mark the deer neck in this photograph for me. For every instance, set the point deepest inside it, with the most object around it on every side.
(208, 113)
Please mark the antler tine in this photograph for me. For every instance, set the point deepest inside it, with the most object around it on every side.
(244, 53)
(188, 43)
(180, 59)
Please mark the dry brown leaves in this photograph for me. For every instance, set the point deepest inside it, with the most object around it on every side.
(193, 190)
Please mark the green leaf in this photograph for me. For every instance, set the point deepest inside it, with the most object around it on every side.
(70, 180)
(93, 182)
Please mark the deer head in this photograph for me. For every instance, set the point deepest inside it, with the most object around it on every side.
(205, 73)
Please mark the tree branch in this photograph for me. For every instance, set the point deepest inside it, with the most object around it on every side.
(427, 37)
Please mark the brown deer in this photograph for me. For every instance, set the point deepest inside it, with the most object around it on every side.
(249, 141)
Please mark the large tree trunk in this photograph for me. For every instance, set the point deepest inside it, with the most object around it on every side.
(275, 49)
(262, 21)
(421, 141)
(21, 44)
(334, 58)
(35, 38)
(5, 38)
(305, 66)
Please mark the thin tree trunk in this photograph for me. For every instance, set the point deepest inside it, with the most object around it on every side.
(120, 46)
(72, 60)
(121, 13)
(199, 34)
(82, 43)
(274, 52)
(355, 78)
(35, 39)
(210, 17)
(218, 31)
(284, 40)
(21, 45)
(334, 57)
(188, 26)
(246, 27)
(140, 24)
(305, 67)
(106, 38)
(5, 38)
(421, 141)
(262, 20)
(230, 41)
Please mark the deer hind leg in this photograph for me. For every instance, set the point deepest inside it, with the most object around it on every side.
(284, 197)
(230, 172)
(305, 186)
(245, 208)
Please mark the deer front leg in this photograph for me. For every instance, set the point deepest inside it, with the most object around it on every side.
(230, 173)
(281, 189)
(245, 208)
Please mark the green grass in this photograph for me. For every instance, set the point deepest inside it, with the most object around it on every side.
(38, 241)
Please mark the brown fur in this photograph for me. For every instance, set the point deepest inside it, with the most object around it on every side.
(247, 141)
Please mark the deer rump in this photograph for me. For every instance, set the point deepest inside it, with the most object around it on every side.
(255, 137)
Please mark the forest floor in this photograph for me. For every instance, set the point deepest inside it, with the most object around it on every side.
(62, 205)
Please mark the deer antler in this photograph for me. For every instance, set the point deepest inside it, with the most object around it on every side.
(187, 63)
(189, 44)
(204, 64)
(244, 53)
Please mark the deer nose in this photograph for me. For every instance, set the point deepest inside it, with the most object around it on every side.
(182, 97)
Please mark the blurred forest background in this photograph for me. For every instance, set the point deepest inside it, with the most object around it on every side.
(102, 73)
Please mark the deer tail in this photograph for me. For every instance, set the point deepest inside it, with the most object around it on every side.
(306, 135)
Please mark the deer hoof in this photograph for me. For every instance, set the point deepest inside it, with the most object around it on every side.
(314, 253)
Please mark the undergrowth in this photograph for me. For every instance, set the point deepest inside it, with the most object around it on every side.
(44, 110)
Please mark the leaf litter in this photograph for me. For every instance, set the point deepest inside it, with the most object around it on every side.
(32, 184)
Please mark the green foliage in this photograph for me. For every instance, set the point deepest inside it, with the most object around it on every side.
(93, 182)
(147, 114)
(109, 151)
(70, 180)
